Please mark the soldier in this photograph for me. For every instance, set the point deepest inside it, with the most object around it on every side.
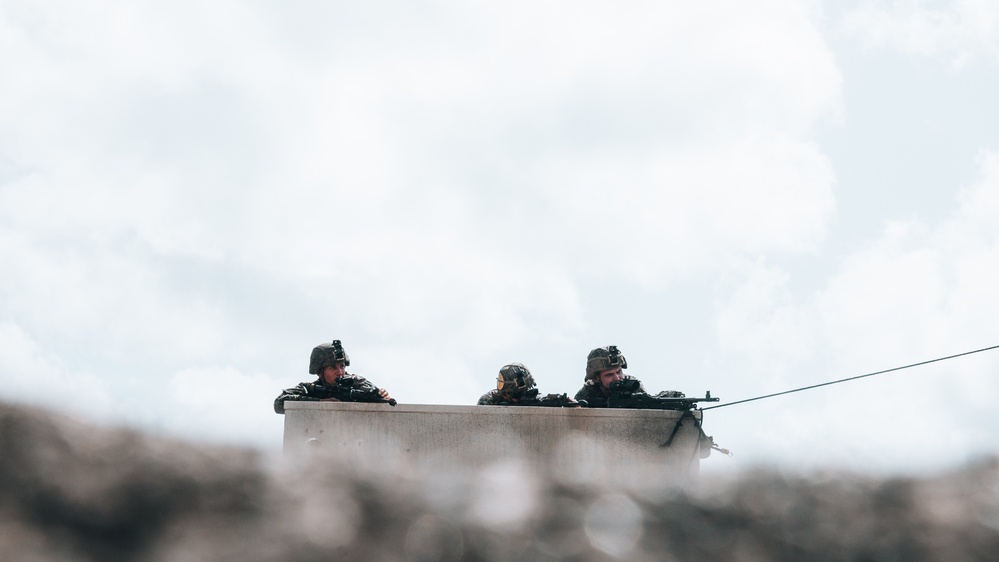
(515, 387)
(329, 362)
(604, 366)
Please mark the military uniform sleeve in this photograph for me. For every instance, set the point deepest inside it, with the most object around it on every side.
(357, 389)
(488, 399)
(364, 385)
(298, 393)
(593, 397)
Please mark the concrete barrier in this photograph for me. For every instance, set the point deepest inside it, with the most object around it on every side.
(622, 442)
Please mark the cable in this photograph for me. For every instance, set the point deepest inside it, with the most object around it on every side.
(853, 378)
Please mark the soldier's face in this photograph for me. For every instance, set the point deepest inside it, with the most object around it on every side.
(607, 376)
(331, 374)
(506, 389)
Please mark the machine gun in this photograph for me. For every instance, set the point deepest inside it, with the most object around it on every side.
(350, 389)
(531, 398)
(627, 393)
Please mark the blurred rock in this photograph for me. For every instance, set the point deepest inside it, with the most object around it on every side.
(71, 491)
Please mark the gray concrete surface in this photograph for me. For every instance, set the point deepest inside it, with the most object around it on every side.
(628, 443)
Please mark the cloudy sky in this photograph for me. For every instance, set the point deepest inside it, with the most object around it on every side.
(745, 197)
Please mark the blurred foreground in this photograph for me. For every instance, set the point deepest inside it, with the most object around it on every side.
(70, 491)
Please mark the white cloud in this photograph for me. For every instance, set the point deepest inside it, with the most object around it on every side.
(448, 187)
(697, 209)
(223, 405)
(410, 172)
(36, 375)
(957, 32)
(932, 283)
(919, 292)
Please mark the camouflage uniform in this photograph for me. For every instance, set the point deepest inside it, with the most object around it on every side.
(493, 398)
(319, 389)
(512, 382)
(347, 388)
(601, 359)
(594, 394)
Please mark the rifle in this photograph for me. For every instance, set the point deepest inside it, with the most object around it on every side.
(627, 394)
(349, 389)
(530, 398)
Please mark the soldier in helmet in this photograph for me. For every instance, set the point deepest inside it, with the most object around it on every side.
(512, 384)
(329, 362)
(515, 386)
(604, 366)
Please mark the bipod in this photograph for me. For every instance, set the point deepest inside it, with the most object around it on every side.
(679, 422)
(702, 437)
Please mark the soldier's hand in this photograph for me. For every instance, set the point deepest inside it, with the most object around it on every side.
(330, 399)
(384, 395)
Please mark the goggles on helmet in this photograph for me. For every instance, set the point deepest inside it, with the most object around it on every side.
(514, 378)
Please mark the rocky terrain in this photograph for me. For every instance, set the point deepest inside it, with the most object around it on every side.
(71, 491)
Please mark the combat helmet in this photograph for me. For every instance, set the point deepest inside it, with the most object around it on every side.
(327, 355)
(514, 378)
(603, 358)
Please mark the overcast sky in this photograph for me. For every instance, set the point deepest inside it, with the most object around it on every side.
(745, 197)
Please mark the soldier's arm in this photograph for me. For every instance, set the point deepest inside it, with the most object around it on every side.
(360, 389)
(295, 394)
(591, 397)
(368, 386)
